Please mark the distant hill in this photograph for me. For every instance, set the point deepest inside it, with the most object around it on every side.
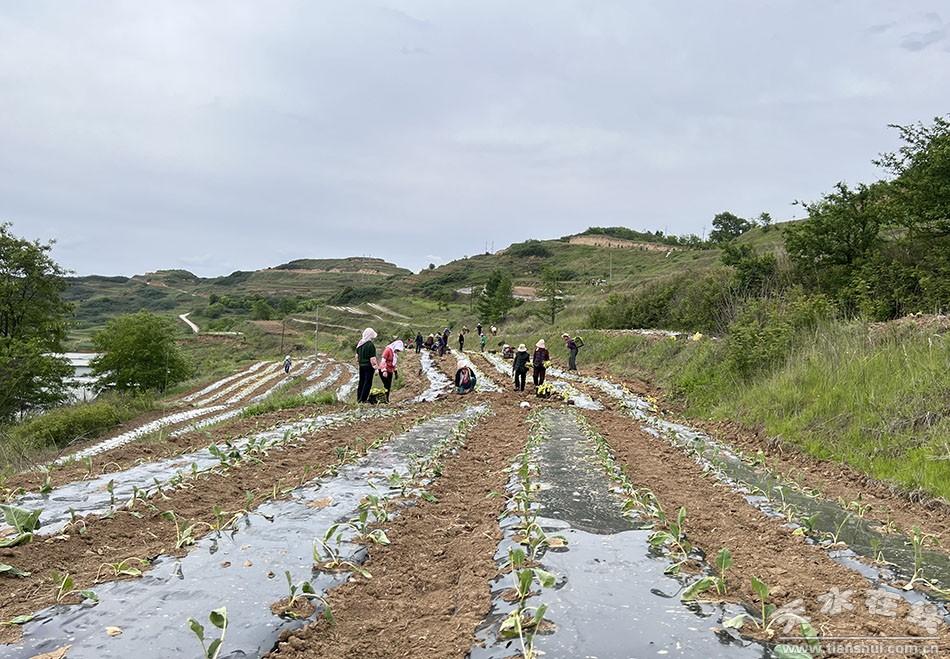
(355, 291)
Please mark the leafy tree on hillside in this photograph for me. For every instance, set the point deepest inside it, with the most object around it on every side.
(919, 196)
(727, 226)
(138, 352)
(496, 299)
(842, 231)
(261, 310)
(551, 293)
(33, 323)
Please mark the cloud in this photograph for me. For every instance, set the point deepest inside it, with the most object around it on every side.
(224, 135)
(920, 40)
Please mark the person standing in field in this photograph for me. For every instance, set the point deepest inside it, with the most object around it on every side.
(571, 345)
(539, 361)
(287, 364)
(418, 342)
(478, 329)
(387, 365)
(367, 364)
(484, 341)
(519, 369)
(461, 340)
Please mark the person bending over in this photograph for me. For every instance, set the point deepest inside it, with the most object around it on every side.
(464, 379)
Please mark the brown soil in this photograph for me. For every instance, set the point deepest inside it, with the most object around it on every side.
(718, 517)
(123, 536)
(413, 381)
(160, 445)
(301, 609)
(430, 587)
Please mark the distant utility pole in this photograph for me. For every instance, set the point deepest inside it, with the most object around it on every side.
(316, 328)
(283, 323)
(610, 266)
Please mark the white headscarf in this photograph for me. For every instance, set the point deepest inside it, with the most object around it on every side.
(396, 346)
(368, 335)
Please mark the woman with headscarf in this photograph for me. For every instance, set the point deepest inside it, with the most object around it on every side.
(387, 365)
(366, 360)
(464, 378)
(519, 367)
(539, 361)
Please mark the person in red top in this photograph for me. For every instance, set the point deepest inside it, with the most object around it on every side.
(387, 365)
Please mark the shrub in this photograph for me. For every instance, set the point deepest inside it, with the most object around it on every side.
(62, 426)
(530, 248)
(766, 330)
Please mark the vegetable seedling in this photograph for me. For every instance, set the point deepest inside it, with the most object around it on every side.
(218, 618)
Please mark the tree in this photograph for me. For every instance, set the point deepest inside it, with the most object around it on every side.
(765, 221)
(551, 293)
(261, 310)
(843, 230)
(33, 323)
(727, 226)
(138, 352)
(496, 298)
(919, 196)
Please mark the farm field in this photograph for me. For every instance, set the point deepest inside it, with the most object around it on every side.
(592, 522)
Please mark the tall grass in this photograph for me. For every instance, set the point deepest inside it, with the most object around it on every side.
(880, 405)
(38, 438)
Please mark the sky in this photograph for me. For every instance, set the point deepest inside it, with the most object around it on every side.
(232, 135)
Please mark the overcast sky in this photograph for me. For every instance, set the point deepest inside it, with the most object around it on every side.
(217, 136)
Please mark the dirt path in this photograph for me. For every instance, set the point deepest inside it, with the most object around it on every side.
(800, 575)
(430, 587)
(97, 542)
(184, 318)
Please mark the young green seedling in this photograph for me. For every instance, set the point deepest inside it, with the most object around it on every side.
(65, 586)
(123, 568)
(24, 522)
(218, 618)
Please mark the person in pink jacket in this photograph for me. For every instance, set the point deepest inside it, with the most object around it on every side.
(387, 365)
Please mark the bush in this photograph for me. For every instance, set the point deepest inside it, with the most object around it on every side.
(530, 248)
(65, 425)
(682, 302)
(766, 330)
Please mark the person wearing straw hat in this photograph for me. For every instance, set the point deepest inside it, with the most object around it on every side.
(519, 369)
(539, 360)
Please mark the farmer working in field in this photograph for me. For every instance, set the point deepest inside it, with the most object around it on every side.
(464, 378)
(540, 362)
(387, 365)
(366, 360)
(571, 345)
(519, 369)
(418, 342)
(287, 364)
